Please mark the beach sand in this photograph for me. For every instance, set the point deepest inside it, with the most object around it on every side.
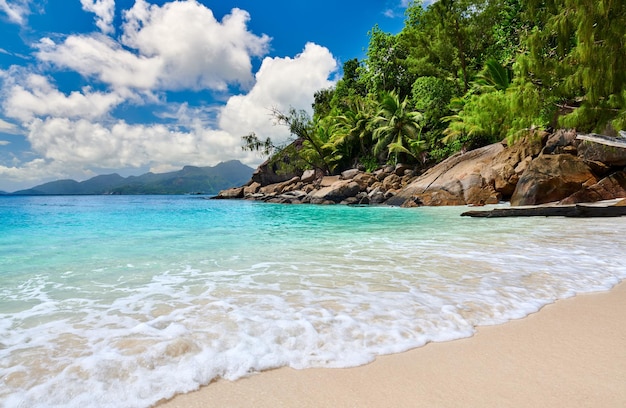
(570, 354)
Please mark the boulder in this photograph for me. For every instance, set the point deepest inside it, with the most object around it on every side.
(392, 182)
(251, 189)
(551, 178)
(328, 181)
(308, 176)
(609, 188)
(365, 180)
(510, 163)
(231, 193)
(561, 141)
(278, 188)
(376, 196)
(349, 174)
(609, 155)
(464, 178)
(268, 173)
(401, 169)
(337, 192)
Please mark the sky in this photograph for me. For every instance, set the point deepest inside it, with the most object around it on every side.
(92, 87)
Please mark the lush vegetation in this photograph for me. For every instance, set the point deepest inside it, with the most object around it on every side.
(462, 74)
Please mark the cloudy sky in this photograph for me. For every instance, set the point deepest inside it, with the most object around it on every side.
(93, 87)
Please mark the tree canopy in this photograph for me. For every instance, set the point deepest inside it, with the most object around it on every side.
(464, 73)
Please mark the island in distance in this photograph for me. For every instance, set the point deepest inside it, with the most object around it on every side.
(189, 180)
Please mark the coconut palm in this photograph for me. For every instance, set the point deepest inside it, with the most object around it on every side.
(397, 129)
(354, 127)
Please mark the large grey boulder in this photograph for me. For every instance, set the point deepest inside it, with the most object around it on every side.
(336, 192)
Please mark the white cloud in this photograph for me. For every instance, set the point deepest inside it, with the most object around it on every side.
(100, 57)
(38, 98)
(16, 10)
(174, 47)
(104, 11)
(281, 83)
(86, 144)
(197, 50)
(177, 46)
(66, 132)
(6, 127)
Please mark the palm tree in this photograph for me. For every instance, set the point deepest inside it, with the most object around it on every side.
(494, 76)
(397, 129)
(354, 126)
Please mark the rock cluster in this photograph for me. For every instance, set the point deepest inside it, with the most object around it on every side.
(540, 168)
(353, 187)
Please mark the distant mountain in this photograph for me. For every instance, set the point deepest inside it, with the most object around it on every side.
(205, 180)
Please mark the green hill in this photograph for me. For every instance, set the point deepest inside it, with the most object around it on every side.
(200, 180)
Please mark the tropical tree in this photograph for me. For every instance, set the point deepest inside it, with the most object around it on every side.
(385, 66)
(576, 54)
(354, 125)
(396, 128)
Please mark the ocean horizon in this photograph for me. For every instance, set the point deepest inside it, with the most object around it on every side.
(147, 297)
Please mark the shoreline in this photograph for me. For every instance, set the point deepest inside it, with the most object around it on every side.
(570, 353)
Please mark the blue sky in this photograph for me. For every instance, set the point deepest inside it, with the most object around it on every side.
(93, 87)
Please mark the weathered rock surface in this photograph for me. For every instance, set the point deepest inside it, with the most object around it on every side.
(608, 188)
(551, 178)
(235, 192)
(609, 155)
(511, 162)
(540, 168)
(336, 192)
(459, 180)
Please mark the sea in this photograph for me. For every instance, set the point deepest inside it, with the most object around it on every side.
(124, 301)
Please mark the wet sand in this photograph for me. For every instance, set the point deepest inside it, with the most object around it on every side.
(569, 354)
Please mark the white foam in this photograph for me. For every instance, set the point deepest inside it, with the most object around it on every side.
(170, 326)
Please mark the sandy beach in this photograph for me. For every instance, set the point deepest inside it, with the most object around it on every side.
(569, 354)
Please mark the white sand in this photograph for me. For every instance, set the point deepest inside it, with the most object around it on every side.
(570, 354)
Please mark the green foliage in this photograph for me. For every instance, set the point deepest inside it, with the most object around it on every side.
(576, 55)
(494, 75)
(252, 143)
(431, 96)
(385, 67)
(465, 73)
(397, 129)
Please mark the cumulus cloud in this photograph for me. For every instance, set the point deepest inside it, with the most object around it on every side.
(197, 50)
(104, 11)
(100, 57)
(16, 10)
(179, 45)
(61, 127)
(176, 46)
(37, 97)
(281, 83)
(123, 145)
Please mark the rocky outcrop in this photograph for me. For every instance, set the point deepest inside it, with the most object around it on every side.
(459, 180)
(539, 168)
(609, 155)
(336, 192)
(606, 189)
(508, 165)
(552, 178)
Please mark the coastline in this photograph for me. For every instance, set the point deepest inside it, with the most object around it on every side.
(570, 353)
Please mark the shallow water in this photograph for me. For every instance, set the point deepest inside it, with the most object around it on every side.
(148, 296)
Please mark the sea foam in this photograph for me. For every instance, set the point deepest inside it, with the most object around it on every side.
(147, 297)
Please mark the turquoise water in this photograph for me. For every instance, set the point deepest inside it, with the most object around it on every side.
(148, 296)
